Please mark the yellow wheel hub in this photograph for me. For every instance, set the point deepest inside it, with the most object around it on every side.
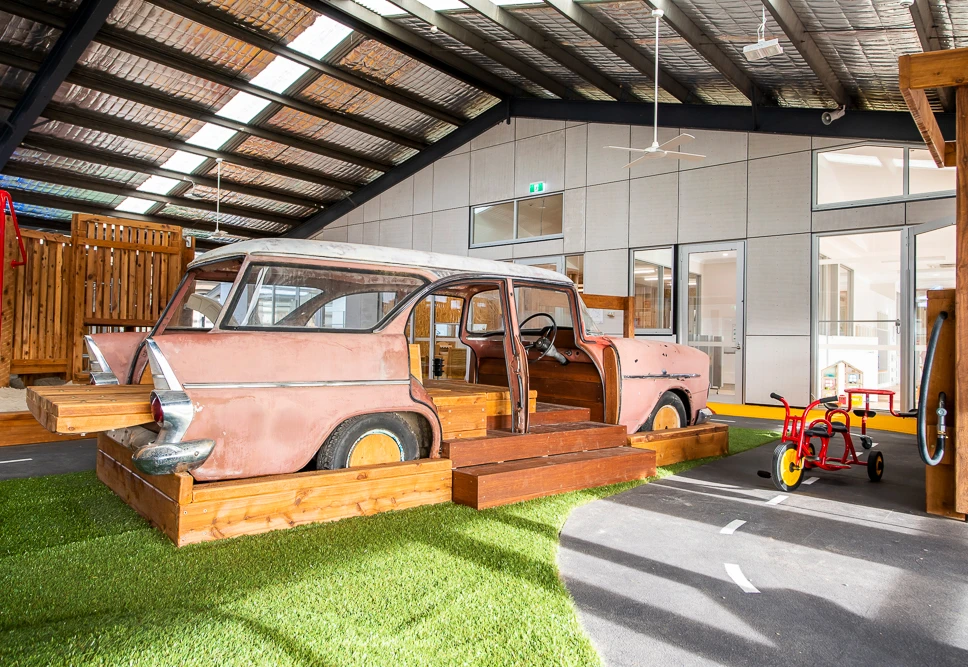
(790, 472)
(375, 447)
(667, 417)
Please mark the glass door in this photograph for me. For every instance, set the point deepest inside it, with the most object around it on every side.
(932, 263)
(711, 297)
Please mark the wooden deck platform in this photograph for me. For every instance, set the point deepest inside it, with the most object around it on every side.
(189, 512)
(684, 444)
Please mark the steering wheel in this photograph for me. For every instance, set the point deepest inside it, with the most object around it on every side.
(543, 344)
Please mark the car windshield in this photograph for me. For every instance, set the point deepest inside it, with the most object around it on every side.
(320, 298)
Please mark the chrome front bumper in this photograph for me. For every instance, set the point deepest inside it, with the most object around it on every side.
(703, 415)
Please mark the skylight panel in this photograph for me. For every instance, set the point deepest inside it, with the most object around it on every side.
(183, 161)
(211, 136)
(279, 74)
(381, 7)
(243, 107)
(160, 185)
(321, 37)
(443, 5)
(134, 205)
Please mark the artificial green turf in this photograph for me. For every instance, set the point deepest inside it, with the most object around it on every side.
(84, 580)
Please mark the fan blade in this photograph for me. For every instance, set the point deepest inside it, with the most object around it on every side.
(692, 157)
(648, 156)
(681, 139)
(626, 148)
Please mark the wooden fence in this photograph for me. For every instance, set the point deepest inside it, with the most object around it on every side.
(109, 275)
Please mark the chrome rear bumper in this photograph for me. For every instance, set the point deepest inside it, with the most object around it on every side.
(164, 458)
(703, 416)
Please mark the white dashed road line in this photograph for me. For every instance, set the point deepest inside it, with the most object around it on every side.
(739, 578)
(724, 421)
(16, 460)
(731, 527)
(810, 480)
(776, 500)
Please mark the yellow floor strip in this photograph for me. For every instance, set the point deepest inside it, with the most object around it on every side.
(882, 422)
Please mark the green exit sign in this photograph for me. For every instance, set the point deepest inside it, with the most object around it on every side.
(536, 187)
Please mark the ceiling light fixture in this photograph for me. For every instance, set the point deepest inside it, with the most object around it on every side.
(763, 48)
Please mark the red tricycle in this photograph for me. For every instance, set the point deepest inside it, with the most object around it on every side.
(796, 452)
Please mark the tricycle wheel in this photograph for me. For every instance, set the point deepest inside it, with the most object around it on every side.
(875, 466)
(866, 441)
(787, 470)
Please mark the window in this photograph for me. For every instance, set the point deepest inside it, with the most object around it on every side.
(486, 314)
(652, 289)
(529, 301)
(201, 302)
(866, 173)
(318, 298)
(514, 221)
(575, 270)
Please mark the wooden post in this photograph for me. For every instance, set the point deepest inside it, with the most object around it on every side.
(7, 254)
(939, 480)
(961, 286)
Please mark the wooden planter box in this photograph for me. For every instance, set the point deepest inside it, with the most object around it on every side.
(684, 444)
(189, 512)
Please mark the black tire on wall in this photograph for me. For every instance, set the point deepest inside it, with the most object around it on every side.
(386, 437)
(669, 404)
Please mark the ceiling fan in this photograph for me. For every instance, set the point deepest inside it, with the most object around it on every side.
(657, 150)
(218, 233)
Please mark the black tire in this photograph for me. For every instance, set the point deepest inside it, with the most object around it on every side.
(875, 466)
(866, 441)
(667, 399)
(338, 448)
(780, 481)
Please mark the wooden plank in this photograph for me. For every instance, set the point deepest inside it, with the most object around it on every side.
(626, 304)
(961, 306)
(216, 519)
(496, 484)
(88, 408)
(160, 510)
(542, 440)
(46, 366)
(940, 479)
(544, 413)
(934, 69)
(950, 154)
(684, 444)
(21, 428)
(920, 108)
(177, 486)
(7, 254)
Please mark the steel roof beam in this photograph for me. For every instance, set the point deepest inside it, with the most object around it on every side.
(928, 36)
(622, 48)
(129, 130)
(226, 23)
(122, 88)
(78, 151)
(786, 16)
(715, 56)
(93, 208)
(77, 33)
(385, 31)
(145, 47)
(72, 180)
(450, 27)
(533, 38)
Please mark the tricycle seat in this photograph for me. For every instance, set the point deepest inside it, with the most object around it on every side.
(819, 431)
(860, 412)
(839, 427)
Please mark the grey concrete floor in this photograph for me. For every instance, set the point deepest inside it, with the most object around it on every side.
(51, 458)
(848, 572)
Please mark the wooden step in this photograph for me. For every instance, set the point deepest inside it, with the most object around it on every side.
(496, 484)
(544, 413)
(684, 444)
(543, 440)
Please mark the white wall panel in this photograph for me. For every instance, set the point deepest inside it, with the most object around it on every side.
(500, 252)
(712, 203)
(499, 134)
(540, 158)
(452, 182)
(423, 190)
(576, 156)
(642, 138)
(607, 272)
(342, 221)
(371, 210)
(530, 127)
(607, 216)
(830, 142)
(354, 234)
(718, 147)
(653, 210)
(538, 248)
(573, 220)
(766, 145)
(355, 217)
(397, 232)
(778, 285)
(861, 217)
(779, 195)
(397, 201)
(423, 231)
(331, 233)
(607, 164)
(371, 233)
(450, 231)
(492, 174)
(930, 210)
(778, 364)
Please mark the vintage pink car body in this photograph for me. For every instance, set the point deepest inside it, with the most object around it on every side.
(243, 403)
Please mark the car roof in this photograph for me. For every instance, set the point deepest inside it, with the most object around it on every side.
(438, 263)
